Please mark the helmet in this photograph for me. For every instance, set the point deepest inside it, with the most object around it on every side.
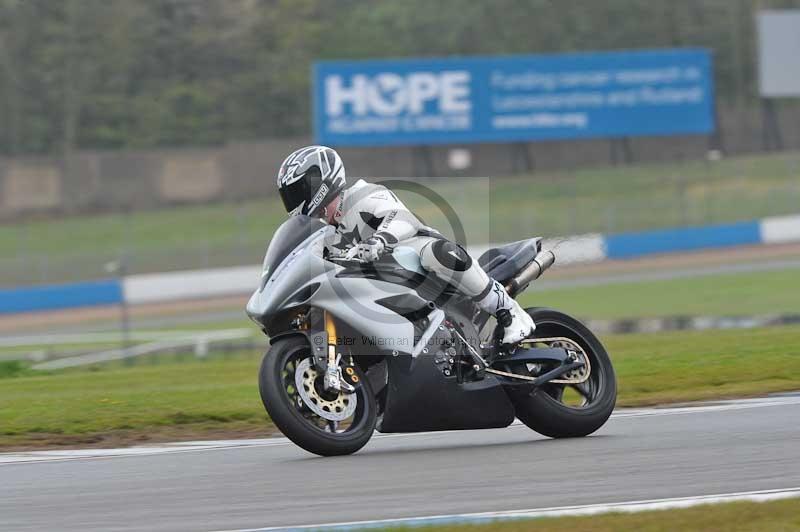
(309, 179)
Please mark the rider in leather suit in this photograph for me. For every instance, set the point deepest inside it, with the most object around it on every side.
(370, 218)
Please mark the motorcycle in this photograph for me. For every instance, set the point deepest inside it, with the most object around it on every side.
(357, 347)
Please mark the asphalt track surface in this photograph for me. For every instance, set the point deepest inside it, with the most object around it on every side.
(639, 454)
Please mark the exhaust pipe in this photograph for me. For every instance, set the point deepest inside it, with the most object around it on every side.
(531, 272)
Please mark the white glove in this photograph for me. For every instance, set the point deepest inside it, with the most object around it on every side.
(369, 250)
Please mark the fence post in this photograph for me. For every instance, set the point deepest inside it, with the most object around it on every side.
(680, 192)
(201, 347)
(120, 268)
(241, 218)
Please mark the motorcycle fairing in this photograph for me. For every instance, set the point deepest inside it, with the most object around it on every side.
(304, 278)
(420, 397)
(425, 400)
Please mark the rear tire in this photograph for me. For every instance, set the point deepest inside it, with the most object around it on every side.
(283, 408)
(542, 411)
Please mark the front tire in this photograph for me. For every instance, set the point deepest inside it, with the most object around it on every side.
(290, 411)
(544, 410)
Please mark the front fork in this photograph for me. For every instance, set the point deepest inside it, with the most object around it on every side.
(333, 372)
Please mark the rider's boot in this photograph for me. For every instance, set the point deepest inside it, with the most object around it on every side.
(517, 324)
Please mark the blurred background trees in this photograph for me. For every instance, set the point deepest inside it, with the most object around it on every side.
(108, 74)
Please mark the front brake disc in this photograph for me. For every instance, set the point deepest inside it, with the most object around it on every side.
(337, 409)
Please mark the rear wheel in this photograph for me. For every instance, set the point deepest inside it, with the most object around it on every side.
(569, 410)
(317, 420)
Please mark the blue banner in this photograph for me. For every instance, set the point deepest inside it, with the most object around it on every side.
(513, 98)
(60, 296)
(630, 245)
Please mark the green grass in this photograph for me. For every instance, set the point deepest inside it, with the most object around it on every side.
(688, 366)
(732, 517)
(13, 368)
(738, 294)
(85, 404)
(195, 399)
(502, 209)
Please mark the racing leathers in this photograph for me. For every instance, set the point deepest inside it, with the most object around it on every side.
(371, 218)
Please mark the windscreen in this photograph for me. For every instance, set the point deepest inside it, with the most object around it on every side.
(288, 236)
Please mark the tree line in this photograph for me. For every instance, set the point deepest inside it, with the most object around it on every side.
(111, 74)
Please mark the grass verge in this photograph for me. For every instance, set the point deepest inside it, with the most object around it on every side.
(733, 517)
(117, 405)
(740, 294)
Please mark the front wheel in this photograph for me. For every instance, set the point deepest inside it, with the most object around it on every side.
(569, 410)
(315, 419)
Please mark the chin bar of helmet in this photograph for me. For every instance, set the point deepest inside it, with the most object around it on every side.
(531, 272)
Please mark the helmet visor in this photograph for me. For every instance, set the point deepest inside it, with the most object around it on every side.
(293, 195)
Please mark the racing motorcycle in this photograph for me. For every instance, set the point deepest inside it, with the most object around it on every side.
(357, 347)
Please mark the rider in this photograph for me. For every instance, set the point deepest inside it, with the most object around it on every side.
(369, 218)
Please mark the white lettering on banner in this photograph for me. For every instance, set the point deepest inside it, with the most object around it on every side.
(671, 96)
(338, 95)
(648, 75)
(421, 88)
(391, 84)
(410, 124)
(538, 81)
(389, 94)
(541, 121)
(367, 124)
(455, 92)
(526, 102)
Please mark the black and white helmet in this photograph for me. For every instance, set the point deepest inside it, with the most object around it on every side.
(309, 179)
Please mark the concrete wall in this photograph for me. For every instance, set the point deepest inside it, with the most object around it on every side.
(100, 181)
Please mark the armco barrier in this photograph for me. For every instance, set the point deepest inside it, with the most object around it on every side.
(53, 297)
(160, 287)
(629, 245)
(173, 286)
(780, 229)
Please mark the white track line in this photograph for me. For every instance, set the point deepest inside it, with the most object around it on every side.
(194, 446)
(557, 511)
